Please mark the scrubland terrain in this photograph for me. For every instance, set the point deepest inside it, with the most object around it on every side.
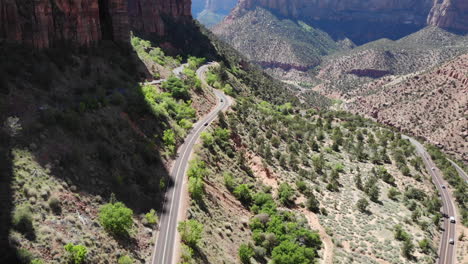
(355, 185)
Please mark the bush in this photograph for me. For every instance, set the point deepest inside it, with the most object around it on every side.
(37, 261)
(23, 220)
(245, 253)
(362, 204)
(76, 254)
(24, 256)
(125, 260)
(229, 181)
(116, 218)
(312, 204)
(242, 192)
(151, 217)
(286, 194)
(178, 89)
(190, 232)
(186, 254)
(54, 205)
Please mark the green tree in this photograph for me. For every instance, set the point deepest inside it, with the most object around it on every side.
(425, 245)
(196, 188)
(286, 194)
(362, 204)
(393, 193)
(291, 253)
(116, 218)
(169, 140)
(245, 253)
(190, 232)
(76, 254)
(151, 217)
(178, 89)
(408, 248)
(242, 192)
(125, 259)
(313, 204)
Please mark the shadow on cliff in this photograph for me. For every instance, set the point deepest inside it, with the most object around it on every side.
(84, 117)
(7, 253)
(184, 38)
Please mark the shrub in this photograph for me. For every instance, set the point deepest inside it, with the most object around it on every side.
(362, 204)
(313, 204)
(196, 188)
(76, 254)
(151, 217)
(286, 194)
(125, 259)
(242, 192)
(186, 254)
(23, 220)
(190, 232)
(301, 186)
(178, 89)
(24, 256)
(229, 181)
(245, 253)
(54, 205)
(116, 218)
(37, 261)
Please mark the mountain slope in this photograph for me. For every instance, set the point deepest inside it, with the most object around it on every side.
(276, 43)
(432, 105)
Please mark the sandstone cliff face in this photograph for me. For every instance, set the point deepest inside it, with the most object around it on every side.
(147, 16)
(449, 14)
(43, 24)
(404, 11)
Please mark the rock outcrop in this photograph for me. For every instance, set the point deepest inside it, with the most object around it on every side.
(50, 23)
(150, 16)
(449, 14)
(43, 24)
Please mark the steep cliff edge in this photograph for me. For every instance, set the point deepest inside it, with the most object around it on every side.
(44, 24)
(450, 14)
(148, 16)
(361, 21)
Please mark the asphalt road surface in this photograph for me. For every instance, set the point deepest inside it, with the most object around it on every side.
(446, 250)
(167, 238)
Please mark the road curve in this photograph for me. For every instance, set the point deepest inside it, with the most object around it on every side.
(446, 250)
(163, 252)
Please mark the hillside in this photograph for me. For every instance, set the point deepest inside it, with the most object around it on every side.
(432, 104)
(283, 44)
(266, 169)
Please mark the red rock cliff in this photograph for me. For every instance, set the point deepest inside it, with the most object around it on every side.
(449, 14)
(148, 16)
(386, 11)
(45, 24)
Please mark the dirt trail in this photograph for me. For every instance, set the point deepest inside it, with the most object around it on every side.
(314, 223)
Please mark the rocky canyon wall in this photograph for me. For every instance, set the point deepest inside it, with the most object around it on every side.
(148, 16)
(43, 24)
(49, 23)
(389, 11)
(449, 14)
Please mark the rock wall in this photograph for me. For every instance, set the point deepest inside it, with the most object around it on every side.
(49, 23)
(449, 14)
(148, 16)
(43, 24)
(388, 11)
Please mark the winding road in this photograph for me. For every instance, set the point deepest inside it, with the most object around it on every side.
(446, 250)
(166, 243)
